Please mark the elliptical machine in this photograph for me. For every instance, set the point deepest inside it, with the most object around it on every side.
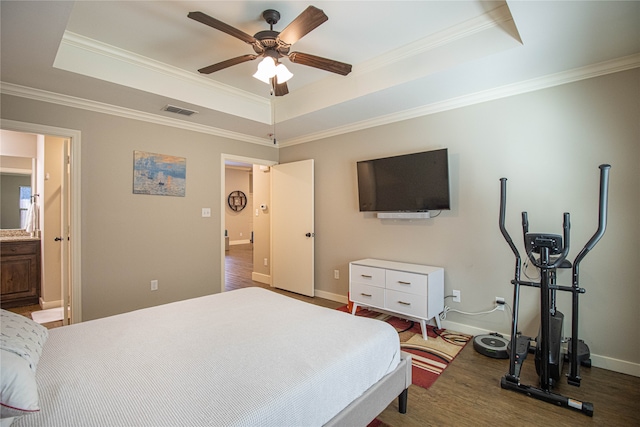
(548, 252)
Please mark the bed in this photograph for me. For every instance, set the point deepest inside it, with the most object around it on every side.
(242, 358)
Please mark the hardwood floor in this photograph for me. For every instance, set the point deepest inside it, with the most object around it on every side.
(28, 309)
(469, 391)
(238, 264)
(238, 268)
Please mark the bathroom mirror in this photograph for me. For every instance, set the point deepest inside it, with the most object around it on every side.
(15, 190)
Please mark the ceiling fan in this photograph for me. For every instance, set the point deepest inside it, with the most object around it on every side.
(273, 45)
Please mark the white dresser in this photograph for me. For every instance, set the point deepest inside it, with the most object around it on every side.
(409, 290)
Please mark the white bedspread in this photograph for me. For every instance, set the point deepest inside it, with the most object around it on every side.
(248, 357)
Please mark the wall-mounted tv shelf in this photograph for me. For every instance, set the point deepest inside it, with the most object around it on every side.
(403, 215)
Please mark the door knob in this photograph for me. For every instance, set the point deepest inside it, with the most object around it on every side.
(57, 239)
(310, 234)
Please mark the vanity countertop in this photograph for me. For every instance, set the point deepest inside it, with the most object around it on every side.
(16, 236)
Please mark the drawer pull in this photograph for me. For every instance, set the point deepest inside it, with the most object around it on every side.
(365, 295)
(404, 303)
(404, 283)
(366, 276)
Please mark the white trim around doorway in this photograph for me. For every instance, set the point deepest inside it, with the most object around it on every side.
(223, 159)
(76, 203)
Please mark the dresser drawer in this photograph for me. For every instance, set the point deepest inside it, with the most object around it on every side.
(367, 294)
(369, 275)
(411, 283)
(410, 304)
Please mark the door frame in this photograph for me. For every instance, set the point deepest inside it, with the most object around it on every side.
(75, 239)
(223, 201)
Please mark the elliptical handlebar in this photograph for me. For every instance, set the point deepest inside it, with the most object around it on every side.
(602, 215)
(574, 374)
(513, 370)
(566, 226)
(503, 230)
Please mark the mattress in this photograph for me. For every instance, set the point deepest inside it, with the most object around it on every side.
(242, 358)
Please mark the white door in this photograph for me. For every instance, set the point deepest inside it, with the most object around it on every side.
(292, 227)
(65, 234)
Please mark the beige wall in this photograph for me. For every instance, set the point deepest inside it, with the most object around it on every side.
(238, 224)
(18, 144)
(130, 239)
(261, 224)
(548, 144)
(50, 207)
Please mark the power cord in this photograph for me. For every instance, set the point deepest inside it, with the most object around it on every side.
(447, 309)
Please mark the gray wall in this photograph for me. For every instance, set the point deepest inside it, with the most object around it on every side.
(129, 239)
(549, 145)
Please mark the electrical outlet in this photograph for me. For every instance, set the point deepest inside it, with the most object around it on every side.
(154, 285)
(336, 274)
(265, 262)
(456, 296)
(500, 303)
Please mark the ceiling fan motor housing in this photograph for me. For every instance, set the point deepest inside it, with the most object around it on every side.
(271, 16)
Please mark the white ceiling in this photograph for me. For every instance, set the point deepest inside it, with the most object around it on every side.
(409, 58)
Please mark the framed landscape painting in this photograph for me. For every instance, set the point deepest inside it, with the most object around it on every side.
(159, 174)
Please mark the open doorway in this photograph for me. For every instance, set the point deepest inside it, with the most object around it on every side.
(245, 223)
(239, 225)
(66, 226)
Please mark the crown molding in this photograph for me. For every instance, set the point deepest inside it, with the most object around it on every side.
(595, 70)
(92, 58)
(97, 47)
(557, 79)
(493, 19)
(99, 107)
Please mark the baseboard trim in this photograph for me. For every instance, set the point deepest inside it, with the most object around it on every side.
(616, 365)
(604, 362)
(331, 296)
(45, 305)
(262, 278)
(239, 242)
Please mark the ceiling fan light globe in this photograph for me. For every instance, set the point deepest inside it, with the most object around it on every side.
(283, 73)
(262, 77)
(266, 70)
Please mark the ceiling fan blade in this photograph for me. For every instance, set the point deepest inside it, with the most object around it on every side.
(228, 63)
(308, 20)
(280, 89)
(219, 25)
(321, 63)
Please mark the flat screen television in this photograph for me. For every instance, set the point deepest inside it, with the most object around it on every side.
(415, 182)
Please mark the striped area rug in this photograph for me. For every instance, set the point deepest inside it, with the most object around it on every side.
(429, 358)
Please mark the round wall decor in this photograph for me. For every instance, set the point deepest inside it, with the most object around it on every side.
(237, 200)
